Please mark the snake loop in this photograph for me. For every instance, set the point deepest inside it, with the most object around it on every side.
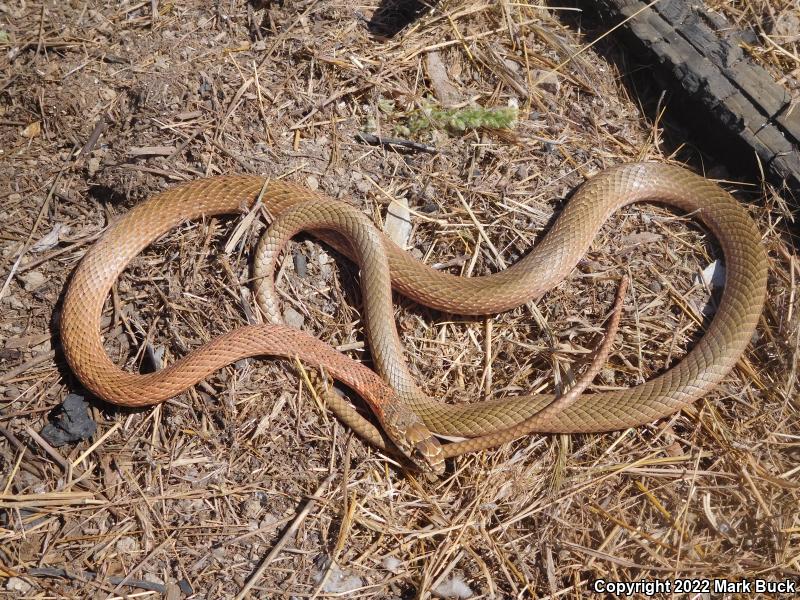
(549, 262)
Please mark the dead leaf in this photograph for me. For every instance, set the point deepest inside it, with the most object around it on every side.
(637, 239)
(398, 222)
(51, 239)
(32, 130)
(443, 89)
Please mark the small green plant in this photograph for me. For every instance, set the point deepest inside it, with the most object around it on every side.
(458, 119)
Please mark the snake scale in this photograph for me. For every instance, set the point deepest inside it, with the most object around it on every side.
(552, 258)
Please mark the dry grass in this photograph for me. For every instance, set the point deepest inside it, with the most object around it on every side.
(199, 490)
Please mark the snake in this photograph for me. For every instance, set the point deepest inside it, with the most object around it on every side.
(409, 418)
(367, 248)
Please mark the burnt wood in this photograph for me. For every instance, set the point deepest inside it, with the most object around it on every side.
(705, 57)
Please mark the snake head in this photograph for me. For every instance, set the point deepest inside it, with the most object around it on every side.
(413, 438)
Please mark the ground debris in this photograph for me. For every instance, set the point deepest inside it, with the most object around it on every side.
(69, 422)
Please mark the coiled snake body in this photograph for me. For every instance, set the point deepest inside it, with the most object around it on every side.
(548, 263)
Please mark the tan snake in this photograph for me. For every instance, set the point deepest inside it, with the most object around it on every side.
(549, 262)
